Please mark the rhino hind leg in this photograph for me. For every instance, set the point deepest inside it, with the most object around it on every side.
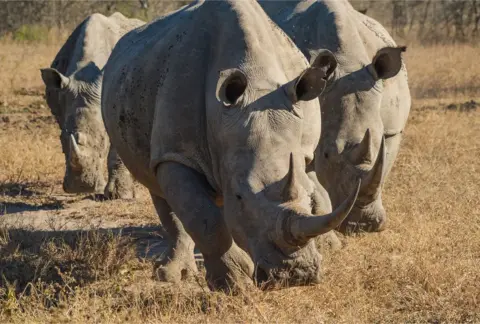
(120, 181)
(179, 261)
(228, 267)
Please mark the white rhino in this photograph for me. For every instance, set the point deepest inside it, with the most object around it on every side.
(73, 86)
(366, 101)
(213, 109)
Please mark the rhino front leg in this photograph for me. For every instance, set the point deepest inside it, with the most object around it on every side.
(179, 262)
(120, 182)
(189, 195)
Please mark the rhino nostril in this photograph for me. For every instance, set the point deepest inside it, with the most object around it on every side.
(325, 155)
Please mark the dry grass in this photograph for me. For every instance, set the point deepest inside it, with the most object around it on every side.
(423, 268)
(443, 71)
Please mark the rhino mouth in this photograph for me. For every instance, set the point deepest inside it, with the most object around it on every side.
(268, 276)
(369, 218)
(74, 184)
(271, 278)
(261, 276)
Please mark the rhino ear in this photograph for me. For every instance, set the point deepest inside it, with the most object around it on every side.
(326, 61)
(311, 83)
(388, 62)
(54, 79)
(231, 86)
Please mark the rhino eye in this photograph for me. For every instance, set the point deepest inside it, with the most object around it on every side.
(238, 197)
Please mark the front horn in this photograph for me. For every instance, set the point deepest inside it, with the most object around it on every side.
(373, 183)
(75, 152)
(302, 227)
(290, 192)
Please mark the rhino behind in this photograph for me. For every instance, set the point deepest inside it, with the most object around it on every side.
(209, 108)
(365, 105)
(73, 87)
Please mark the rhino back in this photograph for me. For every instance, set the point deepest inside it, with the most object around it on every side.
(92, 42)
(160, 78)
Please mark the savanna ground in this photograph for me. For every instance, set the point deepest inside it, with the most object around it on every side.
(423, 268)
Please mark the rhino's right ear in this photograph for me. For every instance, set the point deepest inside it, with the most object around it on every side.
(54, 79)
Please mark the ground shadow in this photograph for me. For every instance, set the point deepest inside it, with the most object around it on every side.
(151, 242)
(19, 207)
(74, 257)
(14, 189)
(69, 258)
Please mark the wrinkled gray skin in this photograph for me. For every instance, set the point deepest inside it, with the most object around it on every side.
(212, 109)
(73, 86)
(366, 100)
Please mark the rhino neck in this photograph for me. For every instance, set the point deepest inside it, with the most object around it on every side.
(349, 41)
(88, 81)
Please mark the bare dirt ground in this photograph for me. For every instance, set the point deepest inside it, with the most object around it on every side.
(71, 258)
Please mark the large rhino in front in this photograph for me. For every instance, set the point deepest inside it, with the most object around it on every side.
(214, 110)
(73, 85)
(365, 105)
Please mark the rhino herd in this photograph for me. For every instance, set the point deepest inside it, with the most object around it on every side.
(255, 126)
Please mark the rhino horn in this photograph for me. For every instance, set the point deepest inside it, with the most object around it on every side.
(75, 152)
(290, 192)
(374, 181)
(363, 152)
(302, 227)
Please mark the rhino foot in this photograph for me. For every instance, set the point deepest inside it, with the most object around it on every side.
(369, 218)
(120, 188)
(178, 265)
(231, 272)
(120, 181)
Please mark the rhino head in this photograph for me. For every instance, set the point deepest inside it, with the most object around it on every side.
(353, 143)
(75, 103)
(267, 131)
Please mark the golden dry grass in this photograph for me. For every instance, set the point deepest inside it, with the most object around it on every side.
(423, 268)
(443, 71)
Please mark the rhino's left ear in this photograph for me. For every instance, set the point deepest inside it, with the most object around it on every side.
(311, 83)
(326, 61)
(388, 61)
(54, 79)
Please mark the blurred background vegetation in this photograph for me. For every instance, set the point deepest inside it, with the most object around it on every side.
(41, 20)
(426, 21)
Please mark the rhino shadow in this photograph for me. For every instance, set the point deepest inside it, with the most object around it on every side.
(25, 258)
(14, 189)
